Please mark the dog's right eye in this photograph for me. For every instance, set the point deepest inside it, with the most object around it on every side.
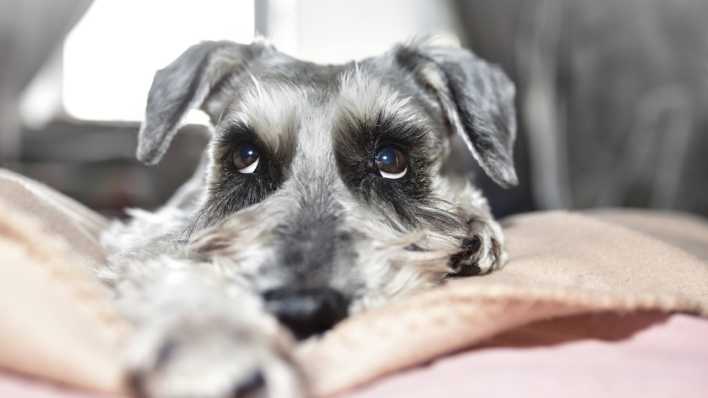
(391, 162)
(246, 158)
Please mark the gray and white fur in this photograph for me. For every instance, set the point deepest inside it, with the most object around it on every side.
(315, 232)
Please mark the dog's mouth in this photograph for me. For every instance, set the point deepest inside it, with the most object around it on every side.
(307, 312)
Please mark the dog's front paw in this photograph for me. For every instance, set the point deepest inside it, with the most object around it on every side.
(481, 252)
(210, 358)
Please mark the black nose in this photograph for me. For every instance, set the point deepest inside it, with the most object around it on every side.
(306, 311)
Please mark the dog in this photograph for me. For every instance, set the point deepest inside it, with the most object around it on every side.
(325, 190)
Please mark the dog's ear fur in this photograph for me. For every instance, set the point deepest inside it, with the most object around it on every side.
(185, 84)
(475, 98)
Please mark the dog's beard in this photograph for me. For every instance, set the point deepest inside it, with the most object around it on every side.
(391, 260)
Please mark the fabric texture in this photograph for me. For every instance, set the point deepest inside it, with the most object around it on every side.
(638, 354)
(57, 321)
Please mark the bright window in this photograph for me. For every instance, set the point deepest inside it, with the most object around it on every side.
(111, 55)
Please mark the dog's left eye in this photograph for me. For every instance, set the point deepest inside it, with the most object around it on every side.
(391, 162)
(246, 158)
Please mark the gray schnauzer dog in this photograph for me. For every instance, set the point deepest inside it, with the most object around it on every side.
(325, 190)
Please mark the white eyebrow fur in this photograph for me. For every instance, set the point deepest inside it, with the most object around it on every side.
(270, 110)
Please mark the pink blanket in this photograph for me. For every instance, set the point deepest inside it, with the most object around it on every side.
(644, 355)
(604, 355)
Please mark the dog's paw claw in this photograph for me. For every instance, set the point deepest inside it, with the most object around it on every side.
(251, 386)
(482, 253)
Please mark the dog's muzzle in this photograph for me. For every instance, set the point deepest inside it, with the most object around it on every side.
(307, 312)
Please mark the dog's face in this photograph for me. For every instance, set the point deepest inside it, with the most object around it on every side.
(330, 187)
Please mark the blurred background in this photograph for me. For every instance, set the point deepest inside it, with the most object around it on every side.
(612, 95)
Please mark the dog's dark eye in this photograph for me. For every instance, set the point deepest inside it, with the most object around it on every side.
(391, 162)
(246, 158)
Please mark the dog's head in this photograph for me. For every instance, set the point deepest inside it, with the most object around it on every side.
(333, 187)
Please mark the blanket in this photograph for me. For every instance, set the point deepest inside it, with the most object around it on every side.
(57, 321)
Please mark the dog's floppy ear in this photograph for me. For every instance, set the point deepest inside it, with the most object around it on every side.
(476, 99)
(185, 84)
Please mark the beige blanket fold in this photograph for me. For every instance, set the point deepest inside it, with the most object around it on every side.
(56, 320)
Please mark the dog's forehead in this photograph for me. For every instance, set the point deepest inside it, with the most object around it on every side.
(295, 99)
